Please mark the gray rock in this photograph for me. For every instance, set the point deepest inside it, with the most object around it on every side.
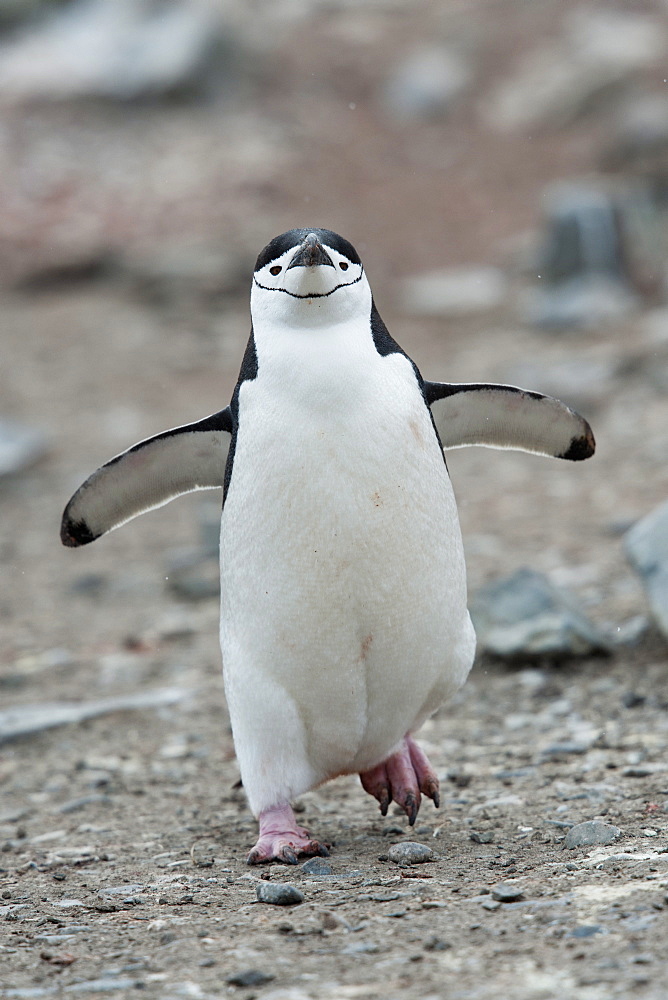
(437, 944)
(14, 816)
(316, 866)
(600, 50)
(118, 49)
(426, 83)
(581, 302)
(583, 263)
(525, 616)
(484, 837)
(279, 894)
(249, 977)
(646, 546)
(30, 992)
(410, 853)
(24, 720)
(104, 985)
(586, 930)
(121, 890)
(568, 747)
(361, 948)
(643, 770)
(454, 291)
(74, 805)
(590, 833)
(583, 235)
(20, 447)
(504, 892)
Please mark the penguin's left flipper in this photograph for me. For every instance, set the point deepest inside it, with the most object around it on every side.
(148, 475)
(503, 416)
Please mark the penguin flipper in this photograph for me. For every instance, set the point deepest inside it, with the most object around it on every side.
(148, 475)
(503, 416)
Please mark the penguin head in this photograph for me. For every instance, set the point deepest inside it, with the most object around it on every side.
(309, 277)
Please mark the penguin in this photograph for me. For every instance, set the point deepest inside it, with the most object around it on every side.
(344, 621)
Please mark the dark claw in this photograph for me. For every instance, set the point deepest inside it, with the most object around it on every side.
(288, 855)
(253, 858)
(411, 808)
(436, 798)
(323, 851)
(384, 800)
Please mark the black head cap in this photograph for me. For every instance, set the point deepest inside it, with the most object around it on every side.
(295, 237)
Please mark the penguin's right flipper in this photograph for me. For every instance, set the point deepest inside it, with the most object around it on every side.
(148, 475)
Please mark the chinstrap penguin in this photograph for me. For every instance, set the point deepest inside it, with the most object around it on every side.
(343, 586)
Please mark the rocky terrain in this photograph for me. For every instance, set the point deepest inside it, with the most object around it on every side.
(512, 223)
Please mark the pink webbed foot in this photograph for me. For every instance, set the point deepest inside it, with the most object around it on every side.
(281, 839)
(402, 777)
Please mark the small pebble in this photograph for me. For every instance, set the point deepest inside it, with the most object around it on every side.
(121, 890)
(316, 866)
(491, 904)
(279, 894)
(410, 853)
(632, 699)
(249, 977)
(591, 832)
(504, 892)
(486, 837)
(586, 930)
(436, 944)
(86, 800)
(361, 948)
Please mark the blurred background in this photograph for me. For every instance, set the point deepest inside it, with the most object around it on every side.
(502, 168)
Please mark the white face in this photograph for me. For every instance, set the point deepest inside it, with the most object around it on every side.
(309, 284)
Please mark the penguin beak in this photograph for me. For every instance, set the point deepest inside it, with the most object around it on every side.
(311, 253)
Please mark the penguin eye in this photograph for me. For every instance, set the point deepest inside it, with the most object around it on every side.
(276, 269)
(343, 265)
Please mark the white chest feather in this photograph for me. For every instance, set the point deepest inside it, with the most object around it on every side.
(342, 574)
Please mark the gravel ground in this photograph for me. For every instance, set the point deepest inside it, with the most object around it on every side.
(122, 837)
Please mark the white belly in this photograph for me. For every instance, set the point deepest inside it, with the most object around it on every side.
(344, 620)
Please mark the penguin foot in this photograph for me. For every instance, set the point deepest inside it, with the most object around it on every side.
(402, 778)
(281, 839)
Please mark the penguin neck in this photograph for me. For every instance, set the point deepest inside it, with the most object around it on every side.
(328, 363)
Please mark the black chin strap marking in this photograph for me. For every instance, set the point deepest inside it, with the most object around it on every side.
(314, 295)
